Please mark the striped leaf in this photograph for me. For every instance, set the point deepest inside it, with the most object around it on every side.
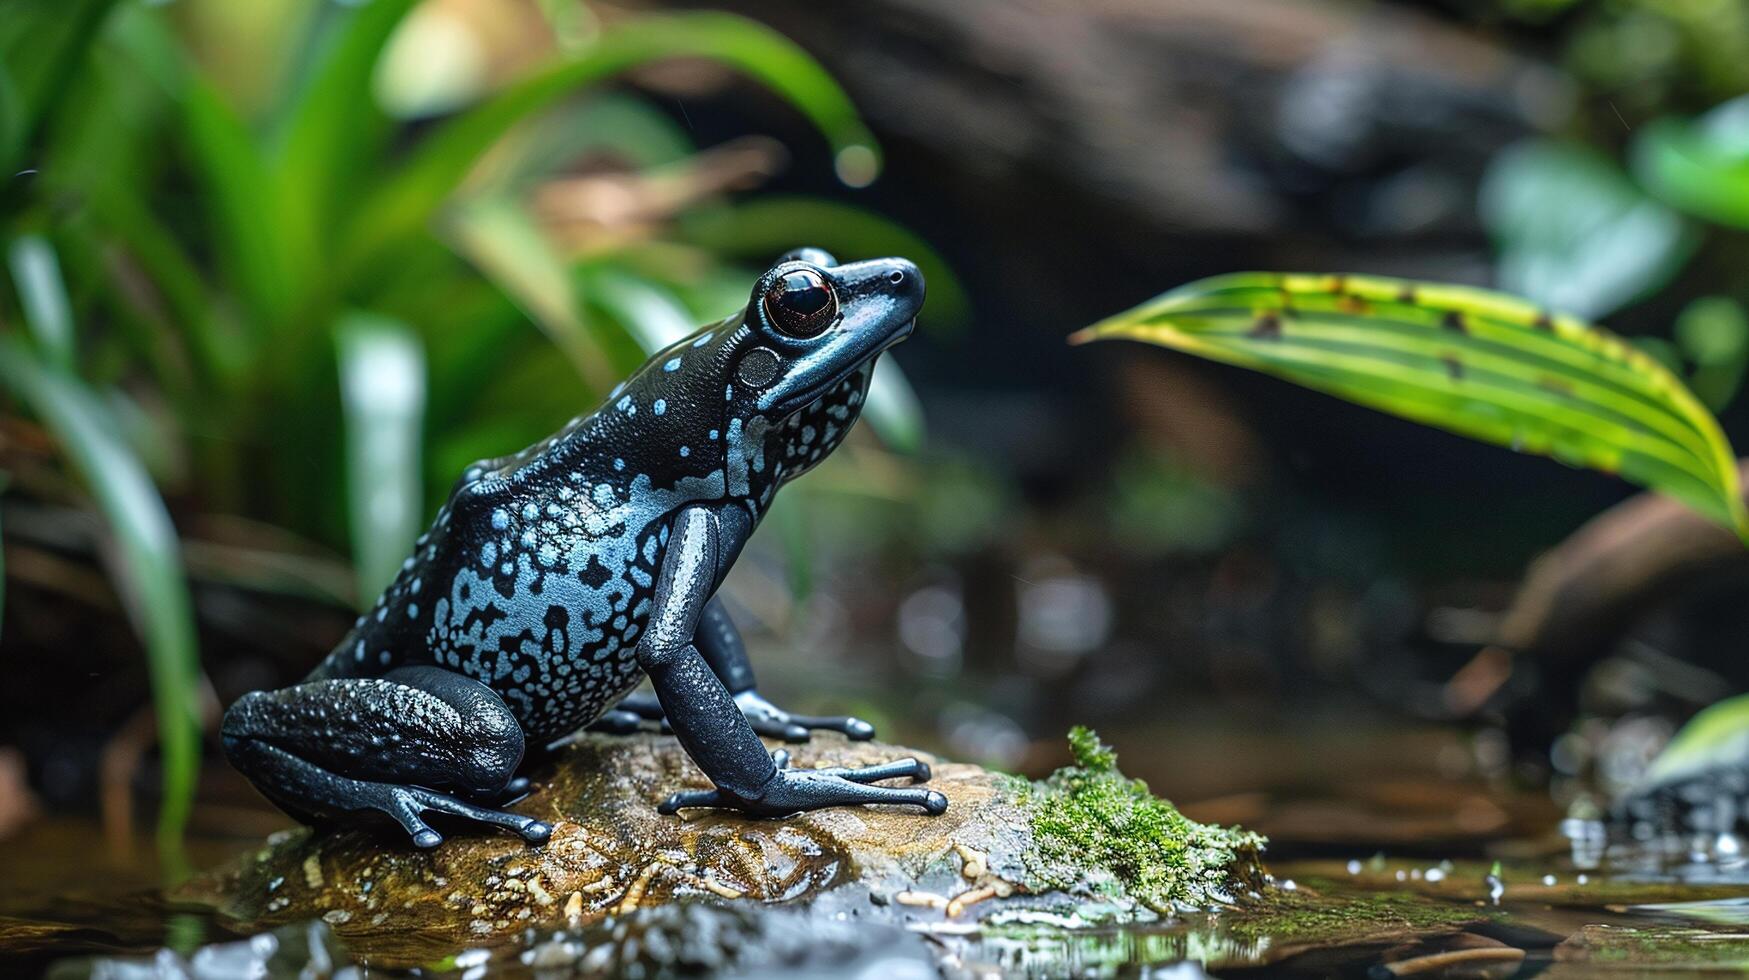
(1478, 363)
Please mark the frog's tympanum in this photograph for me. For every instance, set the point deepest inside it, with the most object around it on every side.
(554, 580)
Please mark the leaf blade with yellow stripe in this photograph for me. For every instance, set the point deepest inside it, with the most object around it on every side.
(1472, 361)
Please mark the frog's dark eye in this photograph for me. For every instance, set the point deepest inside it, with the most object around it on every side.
(801, 303)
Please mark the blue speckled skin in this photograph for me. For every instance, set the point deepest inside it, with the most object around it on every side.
(554, 580)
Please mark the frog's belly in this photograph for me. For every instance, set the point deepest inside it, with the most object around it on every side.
(571, 699)
(559, 650)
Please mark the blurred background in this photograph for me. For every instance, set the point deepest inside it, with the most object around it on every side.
(276, 272)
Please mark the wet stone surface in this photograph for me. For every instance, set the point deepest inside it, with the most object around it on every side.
(611, 855)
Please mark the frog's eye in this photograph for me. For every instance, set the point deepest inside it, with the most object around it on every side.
(801, 303)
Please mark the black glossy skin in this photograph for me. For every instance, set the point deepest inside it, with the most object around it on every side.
(555, 580)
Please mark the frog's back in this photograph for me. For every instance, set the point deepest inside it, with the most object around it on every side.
(538, 573)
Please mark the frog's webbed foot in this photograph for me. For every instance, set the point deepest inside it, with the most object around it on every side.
(352, 749)
(798, 790)
(310, 790)
(766, 718)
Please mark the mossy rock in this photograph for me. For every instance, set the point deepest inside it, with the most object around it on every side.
(1088, 834)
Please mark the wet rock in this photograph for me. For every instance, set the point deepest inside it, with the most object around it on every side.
(1656, 947)
(1088, 833)
(296, 950)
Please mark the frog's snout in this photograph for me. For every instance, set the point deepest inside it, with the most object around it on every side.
(906, 282)
(905, 289)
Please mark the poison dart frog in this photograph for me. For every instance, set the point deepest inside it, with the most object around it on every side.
(553, 581)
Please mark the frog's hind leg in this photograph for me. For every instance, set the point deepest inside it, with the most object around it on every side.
(418, 741)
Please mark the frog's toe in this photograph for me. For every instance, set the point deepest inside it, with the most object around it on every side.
(773, 722)
(427, 839)
(784, 728)
(854, 729)
(687, 799)
(513, 791)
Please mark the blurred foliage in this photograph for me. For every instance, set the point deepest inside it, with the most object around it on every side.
(1648, 54)
(283, 264)
(1716, 737)
(1574, 232)
(1470, 361)
(1161, 505)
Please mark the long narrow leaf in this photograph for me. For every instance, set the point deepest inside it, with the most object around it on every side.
(43, 293)
(148, 563)
(1471, 361)
(177, 278)
(438, 166)
(505, 244)
(1716, 737)
(654, 316)
(333, 121)
(382, 392)
(43, 45)
(237, 183)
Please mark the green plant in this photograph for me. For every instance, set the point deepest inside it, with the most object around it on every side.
(314, 314)
(1471, 361)
(1093, 827)
(1578, 232)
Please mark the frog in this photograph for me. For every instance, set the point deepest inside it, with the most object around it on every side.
(553, 582)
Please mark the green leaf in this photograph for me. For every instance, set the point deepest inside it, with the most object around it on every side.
(1574, 233)
(1714, 333)
(178, 280)
(237, 187)
(333, 123)
(506, 245)
(147, 563)
(41, 290)
(43, 45)
(409, 198)
(12, 122)
(651, 314)
(1478, 363)
(1700, 166)
(893, 410)
(382, 395)
(1718, 735)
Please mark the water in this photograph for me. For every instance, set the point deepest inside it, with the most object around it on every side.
(1373, 876)
(1570, 911)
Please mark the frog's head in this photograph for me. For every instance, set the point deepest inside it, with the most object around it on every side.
(817, 324)
(767, 393)
(794, 365)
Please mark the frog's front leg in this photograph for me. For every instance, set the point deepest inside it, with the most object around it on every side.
(710, 724)
(719, 642)
(417, 741)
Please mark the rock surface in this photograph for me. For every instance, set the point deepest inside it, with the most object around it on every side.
(612, 853)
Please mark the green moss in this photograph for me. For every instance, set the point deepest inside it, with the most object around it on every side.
(1096, 831)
